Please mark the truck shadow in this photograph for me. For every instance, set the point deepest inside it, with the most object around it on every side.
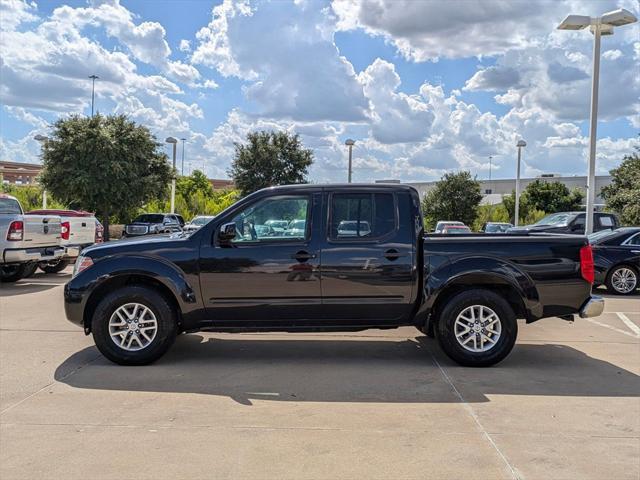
(38, 282)
(350, 370)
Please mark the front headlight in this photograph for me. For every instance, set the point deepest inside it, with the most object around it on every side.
(82, 263)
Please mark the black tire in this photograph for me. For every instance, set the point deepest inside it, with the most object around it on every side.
(13, 273)
(53, 266)
(445, 328)
(157, 303)
(609, 281)
(29, 269)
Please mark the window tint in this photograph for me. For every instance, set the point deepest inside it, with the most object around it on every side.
(579, 221)
(256, 223)
(10, 206)
(362, 215)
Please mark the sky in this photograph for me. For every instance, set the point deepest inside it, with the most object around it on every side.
(423, 87)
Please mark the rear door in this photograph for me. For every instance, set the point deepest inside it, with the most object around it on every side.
(367, 265)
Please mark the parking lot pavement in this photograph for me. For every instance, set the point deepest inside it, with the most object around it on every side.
(373, 404)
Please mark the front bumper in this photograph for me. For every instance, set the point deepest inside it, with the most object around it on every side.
(593, 307)
(37, 254)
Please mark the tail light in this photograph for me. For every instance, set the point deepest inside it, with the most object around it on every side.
(99, 233)
(65, 230)
(586, 264)
(16, 231)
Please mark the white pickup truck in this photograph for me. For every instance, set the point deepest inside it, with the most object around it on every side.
(79, 230)
(26, 240)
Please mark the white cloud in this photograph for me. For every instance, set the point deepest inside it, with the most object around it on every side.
(285, 52)
(185, 45)
(15, 12)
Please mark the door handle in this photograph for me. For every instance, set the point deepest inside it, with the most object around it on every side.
(392, 254)
(303, 256)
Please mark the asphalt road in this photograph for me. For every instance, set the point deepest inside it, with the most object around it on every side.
(373, 404)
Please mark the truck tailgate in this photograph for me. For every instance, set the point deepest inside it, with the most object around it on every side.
(82, 230)
(41, 231)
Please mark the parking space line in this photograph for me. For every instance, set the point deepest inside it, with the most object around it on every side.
(628, 334)
(632, 326)
(468, 408)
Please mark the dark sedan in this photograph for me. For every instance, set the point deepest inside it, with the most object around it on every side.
(617, 259)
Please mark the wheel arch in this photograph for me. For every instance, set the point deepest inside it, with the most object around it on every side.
(129, 279)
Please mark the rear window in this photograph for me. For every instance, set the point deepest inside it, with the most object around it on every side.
(10, 206)
(362, 215)
(606, 221)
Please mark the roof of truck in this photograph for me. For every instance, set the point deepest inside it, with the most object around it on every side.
(60, 212)
(354, 186)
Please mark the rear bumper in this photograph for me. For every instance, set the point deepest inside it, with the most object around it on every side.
(593, 307)
(37, 254)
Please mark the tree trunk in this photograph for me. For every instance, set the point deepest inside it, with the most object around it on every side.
(105, 224)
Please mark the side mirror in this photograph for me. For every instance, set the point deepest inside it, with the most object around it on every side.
(227, 232)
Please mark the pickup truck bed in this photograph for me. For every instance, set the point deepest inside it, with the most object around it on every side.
(353, 257)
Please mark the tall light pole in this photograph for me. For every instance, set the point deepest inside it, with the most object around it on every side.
(182, 169)
(173, 142)
(521, 144)
(490, 158)
(350, 143)
(599, 26)
(42, 139)
(93, 90)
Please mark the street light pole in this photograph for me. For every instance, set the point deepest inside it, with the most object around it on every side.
(599, 26)
(42, 139)
(182, 169)
(349, 143)
(521, 144)
(93, 90)
(174, 143)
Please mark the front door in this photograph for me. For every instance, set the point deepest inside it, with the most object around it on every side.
(368, 259)
(267, 274)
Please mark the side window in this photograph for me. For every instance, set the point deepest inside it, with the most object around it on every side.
(578, 223)
(257, 223)
(362, 215)
(635, 240)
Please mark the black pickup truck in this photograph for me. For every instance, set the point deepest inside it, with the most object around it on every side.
(235, 275)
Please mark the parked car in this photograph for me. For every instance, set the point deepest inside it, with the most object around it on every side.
(496, 227)
(440, 226)
(617, 259)
(352, 228)
(278, 226)
(79, 230)
(197, 222)
(153, 223)
(135, 297)
(296, 228)
(570, 222)
(456, 229)
(26, 240)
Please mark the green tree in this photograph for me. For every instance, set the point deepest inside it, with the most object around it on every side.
(455, 197)
(268, 159)
(30, 196)
(622, 195)
(509, 203)
(108, 165)
(553, 197)
(196, 182)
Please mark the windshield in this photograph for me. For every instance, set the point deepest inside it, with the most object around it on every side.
(149, 218)
(10, 206)
(555, 219)
(497, 227)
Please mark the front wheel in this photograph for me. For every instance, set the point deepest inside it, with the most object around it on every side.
(477, 328)
(134, 325)
(622, 280)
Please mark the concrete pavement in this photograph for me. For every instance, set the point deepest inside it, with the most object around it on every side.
(370, 404)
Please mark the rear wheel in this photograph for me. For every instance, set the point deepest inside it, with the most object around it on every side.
(622, 280)
(477, 328)
(13, 273)
(134, 325)
(53, 266)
